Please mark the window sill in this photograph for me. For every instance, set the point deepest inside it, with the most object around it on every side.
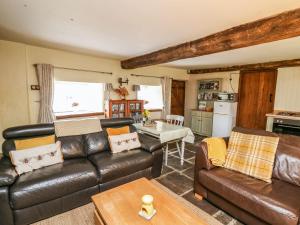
(78, 115)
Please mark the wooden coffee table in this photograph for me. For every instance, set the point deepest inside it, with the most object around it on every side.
(120, 206)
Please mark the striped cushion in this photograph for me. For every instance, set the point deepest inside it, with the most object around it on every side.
(253, 155)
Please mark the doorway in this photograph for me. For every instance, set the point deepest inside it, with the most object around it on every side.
(177, 97)
(256, 98)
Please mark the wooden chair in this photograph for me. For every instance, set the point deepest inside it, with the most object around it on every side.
(178, 121)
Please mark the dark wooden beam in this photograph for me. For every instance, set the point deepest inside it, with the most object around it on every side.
(256, 66)
(274, 28)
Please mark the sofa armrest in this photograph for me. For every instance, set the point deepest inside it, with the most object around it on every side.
(149, 143)
(202, 161)
(8, 174)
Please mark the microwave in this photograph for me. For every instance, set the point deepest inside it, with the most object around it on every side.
(232, 97)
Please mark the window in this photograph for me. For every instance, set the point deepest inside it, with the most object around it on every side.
(152, 94)
(71, 98)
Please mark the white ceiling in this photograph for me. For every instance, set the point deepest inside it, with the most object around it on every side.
(126, 28)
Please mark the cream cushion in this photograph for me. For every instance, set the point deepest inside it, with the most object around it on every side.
(123, 142)
(77, 127)
(27, 160)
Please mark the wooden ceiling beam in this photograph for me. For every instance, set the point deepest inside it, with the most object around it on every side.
(256, 66)
(274, 28)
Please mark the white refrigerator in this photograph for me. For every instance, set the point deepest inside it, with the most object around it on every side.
(224, 118)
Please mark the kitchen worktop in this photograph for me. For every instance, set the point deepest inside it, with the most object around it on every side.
(275, 114)
(199, 110)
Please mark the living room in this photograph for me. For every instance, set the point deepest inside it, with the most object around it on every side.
(178, 88)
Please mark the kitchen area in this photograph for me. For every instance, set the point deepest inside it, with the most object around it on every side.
(215, 114)
(267, 100)
(284, 122)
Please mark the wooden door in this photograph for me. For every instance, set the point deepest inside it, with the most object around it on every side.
(177, 97)
(256, 98)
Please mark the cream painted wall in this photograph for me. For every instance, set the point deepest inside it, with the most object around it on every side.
(78, 61)
(287, 95)
(19, 105)
(191, 89)
(14, 108)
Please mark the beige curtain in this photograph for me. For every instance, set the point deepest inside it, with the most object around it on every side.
(166, 84)
(45, 75)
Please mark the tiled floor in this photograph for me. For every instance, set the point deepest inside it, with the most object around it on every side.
(179, 179)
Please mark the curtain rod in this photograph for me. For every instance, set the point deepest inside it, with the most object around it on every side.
(93, 71)
(138, 75)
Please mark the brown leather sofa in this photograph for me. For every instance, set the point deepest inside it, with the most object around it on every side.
(248, 199)
(88, 168)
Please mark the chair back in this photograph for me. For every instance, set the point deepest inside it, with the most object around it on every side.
(175, 120)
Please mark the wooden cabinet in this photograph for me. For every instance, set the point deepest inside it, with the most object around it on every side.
(202, 123)
(135, 108)
(125, 108)
(117, 108)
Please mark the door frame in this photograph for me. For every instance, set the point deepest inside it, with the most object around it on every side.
(184, 81)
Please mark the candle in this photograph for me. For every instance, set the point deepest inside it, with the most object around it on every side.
(147, 204)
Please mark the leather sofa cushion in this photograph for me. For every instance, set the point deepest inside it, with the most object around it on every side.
(113, 166)
(276, 203)
(52, 182)
(72, 146)
(95, 143)
(287, 160)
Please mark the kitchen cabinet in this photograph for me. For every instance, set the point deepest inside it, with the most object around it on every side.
(202, 122)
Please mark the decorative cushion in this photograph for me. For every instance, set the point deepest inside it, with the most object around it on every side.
(34, 158)
(119, 143)
(252, 155)
(34, 142)
(118, 131)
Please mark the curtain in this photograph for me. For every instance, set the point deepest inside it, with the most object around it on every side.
(166, 84)
(45, 75)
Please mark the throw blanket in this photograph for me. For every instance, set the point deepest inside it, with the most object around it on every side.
(77, 127)
(217, 149)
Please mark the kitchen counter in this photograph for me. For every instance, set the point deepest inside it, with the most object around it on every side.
(199, 110)
(275, 115)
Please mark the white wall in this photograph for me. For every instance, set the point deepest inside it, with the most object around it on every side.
(20, 105)
(287, 95)
(191, 89)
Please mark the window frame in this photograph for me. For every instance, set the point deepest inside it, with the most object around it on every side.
(153, 109)
(69, 115)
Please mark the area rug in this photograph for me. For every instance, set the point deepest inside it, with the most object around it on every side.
(84, 214)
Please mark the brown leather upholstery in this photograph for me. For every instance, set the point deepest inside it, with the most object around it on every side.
(88, 167)
(269, 202)
(250, 199)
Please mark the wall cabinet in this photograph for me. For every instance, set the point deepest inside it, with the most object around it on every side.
(202, 123)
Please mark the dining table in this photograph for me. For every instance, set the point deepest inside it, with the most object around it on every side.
(167, 132)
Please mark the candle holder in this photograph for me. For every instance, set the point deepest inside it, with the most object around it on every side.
(147, 210)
